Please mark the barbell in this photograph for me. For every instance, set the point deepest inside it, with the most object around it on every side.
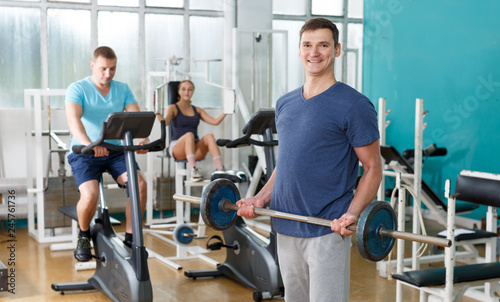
(376, 229)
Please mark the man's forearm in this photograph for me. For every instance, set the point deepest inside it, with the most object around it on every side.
(366, 190)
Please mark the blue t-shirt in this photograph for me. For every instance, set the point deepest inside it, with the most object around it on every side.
(317, 166)
(96, 107)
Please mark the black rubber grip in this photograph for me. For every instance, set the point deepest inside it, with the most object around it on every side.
(222, 142)
(79, 149)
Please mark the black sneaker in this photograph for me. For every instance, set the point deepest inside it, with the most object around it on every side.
(127, 243)
(82, 252)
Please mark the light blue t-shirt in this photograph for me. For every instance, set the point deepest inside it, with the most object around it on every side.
(96, 107)
(317, 166)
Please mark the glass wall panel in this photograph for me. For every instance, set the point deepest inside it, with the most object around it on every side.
(206, 44)
(69, 47)
(355, 9)
(279, 77)
(355, 56)
(330, 7)
(295, 68)
(206, 5)
(355, 32)
(289, 7)
(19, 54)
(165, 3)
(120, 31)
(161, 45)
(164, 39)
(129, 3)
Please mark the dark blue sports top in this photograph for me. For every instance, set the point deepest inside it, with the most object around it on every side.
(182, 124)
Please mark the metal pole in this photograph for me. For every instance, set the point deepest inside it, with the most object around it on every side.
(133, 187)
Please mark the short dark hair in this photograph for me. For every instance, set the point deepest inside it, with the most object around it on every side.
(105, 52)
(319, 23)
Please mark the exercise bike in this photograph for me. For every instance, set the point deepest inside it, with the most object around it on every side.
(121, 272)
(251, 258)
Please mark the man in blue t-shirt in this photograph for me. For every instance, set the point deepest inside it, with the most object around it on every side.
(325, 128)
(88, 103)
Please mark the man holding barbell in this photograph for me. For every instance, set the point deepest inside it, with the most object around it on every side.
(325, 128)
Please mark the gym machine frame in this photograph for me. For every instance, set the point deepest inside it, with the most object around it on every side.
(121, 274)
(437, 212)
(182, 212)
(34, 104)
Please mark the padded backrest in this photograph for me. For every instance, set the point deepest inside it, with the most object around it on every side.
(479, 190)
(173, 92)
(173, 97)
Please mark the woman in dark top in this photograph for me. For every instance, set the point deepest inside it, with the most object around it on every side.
(185, 143)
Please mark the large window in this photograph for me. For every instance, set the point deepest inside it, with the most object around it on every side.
(295, 69)
(125, 43)
(69, 42)
(49, 43)
(19, 31)
(205, 53)
(164, 40)
(143, 33)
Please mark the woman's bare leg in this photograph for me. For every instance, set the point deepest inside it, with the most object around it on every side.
(208, 144)
(185, 149)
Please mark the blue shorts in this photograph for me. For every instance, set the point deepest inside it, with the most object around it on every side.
(89, 167)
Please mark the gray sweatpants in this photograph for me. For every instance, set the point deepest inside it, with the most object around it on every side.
(315, 269)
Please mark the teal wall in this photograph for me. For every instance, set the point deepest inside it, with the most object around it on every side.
(448, 53)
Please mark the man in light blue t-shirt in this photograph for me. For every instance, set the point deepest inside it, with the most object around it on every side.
(324, 128)
(88, 103)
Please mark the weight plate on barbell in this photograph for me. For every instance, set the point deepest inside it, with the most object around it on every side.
(179, 234)
(371, 245)
(212, 213)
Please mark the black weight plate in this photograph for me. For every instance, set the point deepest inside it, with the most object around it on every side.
(178, 234)
(211, 212)
(371, 245)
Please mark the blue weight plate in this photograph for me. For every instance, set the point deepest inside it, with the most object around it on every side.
(372, 246)
(211, 212)
(178, 234)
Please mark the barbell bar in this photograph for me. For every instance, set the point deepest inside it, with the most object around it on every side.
(376, 229)
(324, 222)
(353, 227)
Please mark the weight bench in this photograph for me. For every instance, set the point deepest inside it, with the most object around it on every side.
(451, 282)
(397, 162)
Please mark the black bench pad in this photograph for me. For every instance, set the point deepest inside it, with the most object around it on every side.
(464, 207)
(478, 234)
(70, 211)
(462, 273)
